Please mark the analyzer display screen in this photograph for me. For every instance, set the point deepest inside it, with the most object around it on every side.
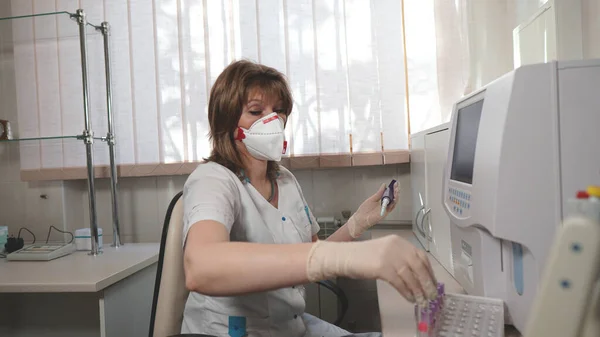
(467, 127)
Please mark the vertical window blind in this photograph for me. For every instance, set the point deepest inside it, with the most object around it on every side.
(344, 59)
(437, 59)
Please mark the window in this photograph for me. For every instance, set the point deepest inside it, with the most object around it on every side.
(437, 59)
(345, 61)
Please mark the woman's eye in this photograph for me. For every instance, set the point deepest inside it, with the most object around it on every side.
(279, 111)
(255, 113)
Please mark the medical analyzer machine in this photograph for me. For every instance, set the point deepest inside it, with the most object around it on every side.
(520, 148)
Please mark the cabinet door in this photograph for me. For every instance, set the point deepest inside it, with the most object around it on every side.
(437, 222)
(418, 185)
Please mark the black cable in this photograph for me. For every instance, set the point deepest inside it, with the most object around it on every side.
(58, 230)
(341, 296)
(23, 228)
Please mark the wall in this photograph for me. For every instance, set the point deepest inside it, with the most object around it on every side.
(34, 205)
(455, 47)
(491, 25)
(564, 31)
(143, 201)
(591, 28)
(490, 35)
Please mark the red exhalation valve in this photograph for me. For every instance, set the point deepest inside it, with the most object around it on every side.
(240, 134)
(423, 326)
(582, 195)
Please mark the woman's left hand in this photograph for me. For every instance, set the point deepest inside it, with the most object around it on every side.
(369, 212)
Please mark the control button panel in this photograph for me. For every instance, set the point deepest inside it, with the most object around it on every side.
(459, 200)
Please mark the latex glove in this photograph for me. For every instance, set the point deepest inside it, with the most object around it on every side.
(391, 258)
(369, 212)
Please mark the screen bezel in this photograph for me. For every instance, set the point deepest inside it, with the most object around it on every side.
(476, 97)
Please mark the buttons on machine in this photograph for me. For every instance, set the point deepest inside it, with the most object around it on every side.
(461, 200)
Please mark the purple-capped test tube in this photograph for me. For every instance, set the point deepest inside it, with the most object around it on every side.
(417, 318)
(425, 322)
(388, 197)
(424, 315)
(441, 293)
(433, 309)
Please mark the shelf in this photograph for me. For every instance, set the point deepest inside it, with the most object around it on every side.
(45, 52)
(172, 169)
(49, 54)
(49, 27)
(38, 139)
(34, 15)
(91, 26)
(79, 137)
(50, 158)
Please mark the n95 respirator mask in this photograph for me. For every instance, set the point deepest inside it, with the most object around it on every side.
(264, 139)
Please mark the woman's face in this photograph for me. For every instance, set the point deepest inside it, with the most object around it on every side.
(259, 106)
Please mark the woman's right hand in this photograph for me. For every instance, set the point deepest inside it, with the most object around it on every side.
(391, 258)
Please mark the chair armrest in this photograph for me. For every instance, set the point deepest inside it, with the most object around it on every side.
(341, 296)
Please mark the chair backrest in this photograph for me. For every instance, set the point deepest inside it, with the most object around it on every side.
(170, 293)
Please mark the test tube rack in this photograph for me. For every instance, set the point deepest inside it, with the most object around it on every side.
(458, 315)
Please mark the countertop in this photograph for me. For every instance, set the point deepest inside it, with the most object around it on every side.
(77, 272)
(397, 314)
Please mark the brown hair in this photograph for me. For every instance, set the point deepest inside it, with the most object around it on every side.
(228, 96)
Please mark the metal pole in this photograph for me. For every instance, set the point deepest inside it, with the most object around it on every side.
(110, 137)
(88, 134)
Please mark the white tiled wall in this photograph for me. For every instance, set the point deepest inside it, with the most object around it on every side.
(330, 191)
(143, 201)
(35, 206)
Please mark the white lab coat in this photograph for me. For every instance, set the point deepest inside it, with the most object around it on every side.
(213, 192)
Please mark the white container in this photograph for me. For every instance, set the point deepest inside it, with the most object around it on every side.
(3, 237)
(83, 239)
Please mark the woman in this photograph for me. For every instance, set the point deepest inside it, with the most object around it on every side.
(249, 237)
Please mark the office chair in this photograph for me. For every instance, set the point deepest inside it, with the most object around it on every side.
(170, 293)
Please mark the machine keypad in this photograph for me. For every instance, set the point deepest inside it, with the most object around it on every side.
(460, 200)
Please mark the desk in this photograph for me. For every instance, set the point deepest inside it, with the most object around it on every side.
(80, 295)
(397, 315)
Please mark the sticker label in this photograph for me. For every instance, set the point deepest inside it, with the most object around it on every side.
(270, 119)
(466, 248)
(308, 214)
(466, 258)
(517, 250)
(237, 326)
